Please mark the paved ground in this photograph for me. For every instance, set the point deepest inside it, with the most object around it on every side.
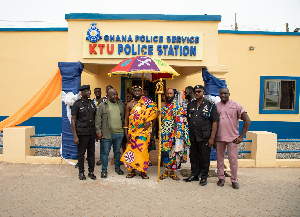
(54, 190)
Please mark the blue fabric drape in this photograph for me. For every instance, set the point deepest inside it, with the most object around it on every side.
(71, 80)
(212, 84)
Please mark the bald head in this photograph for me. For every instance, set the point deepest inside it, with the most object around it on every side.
(169, 95)
(224, 94)
(108, 87)
(112, 95)
(169, 89)
(224, 88)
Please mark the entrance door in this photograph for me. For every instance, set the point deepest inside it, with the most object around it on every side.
(127, 83)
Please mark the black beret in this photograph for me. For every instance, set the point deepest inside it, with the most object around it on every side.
(198, 87)
(84, 87)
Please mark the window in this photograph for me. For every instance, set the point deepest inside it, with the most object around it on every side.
(279, 95)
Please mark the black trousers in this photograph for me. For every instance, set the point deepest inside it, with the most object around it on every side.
(86, 143)
(200, 158)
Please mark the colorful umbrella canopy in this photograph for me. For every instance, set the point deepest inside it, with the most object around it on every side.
(144, 67)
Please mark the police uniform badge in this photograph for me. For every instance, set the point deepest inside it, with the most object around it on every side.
(93, 33)
(205, 109)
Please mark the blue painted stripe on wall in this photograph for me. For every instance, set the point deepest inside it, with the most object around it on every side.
(258, 33)
(54, 29)
(43, 125)
(284, 130)
(91, 16)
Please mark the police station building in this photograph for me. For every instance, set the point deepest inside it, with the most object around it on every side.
(261, 69)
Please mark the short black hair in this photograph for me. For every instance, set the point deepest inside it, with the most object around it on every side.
(97, 88)
(190, 88)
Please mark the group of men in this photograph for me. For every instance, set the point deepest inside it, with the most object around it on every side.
(196, 124)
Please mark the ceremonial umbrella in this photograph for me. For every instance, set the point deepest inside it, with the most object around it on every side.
(152, 69)
(144, 67)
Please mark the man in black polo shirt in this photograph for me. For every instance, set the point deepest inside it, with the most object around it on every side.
(83, 128)
(203, 123)
(189, 96)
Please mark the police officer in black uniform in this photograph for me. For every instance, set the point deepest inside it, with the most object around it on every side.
(203, 123)
(83, 128)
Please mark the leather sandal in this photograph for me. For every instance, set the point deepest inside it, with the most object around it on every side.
(174, 177)
(144, 175)
(163, 176)
(131, 175)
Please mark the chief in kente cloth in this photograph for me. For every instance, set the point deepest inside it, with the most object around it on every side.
(139, 114)
(83, 128)
(174, 136)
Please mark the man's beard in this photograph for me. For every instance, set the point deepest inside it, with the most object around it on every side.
(169, 100)
(188, 97)
(137, 97)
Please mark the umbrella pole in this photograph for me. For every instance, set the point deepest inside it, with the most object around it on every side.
(159, 91)
(143, 83)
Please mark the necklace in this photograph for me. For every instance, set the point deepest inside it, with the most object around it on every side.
(133, 103)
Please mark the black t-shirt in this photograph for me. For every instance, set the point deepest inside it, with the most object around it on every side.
(85, 117)
(200, 119)
(102, 99)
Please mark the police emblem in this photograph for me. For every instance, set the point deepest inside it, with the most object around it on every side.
(93, 33)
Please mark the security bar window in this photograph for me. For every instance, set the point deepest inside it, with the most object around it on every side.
(279, 94)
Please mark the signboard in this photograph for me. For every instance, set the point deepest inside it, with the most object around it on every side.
(176, 45)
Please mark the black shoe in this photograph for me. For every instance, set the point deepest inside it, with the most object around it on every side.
(191, 178)
(82, 176)
(221, 182)
(104, 174)
(150, 163)
(119, 171)
(98, 163)
(76, 165)
(92, 175)
(203, 181)
(235, 185)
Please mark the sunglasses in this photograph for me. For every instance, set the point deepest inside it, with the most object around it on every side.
(199, 91)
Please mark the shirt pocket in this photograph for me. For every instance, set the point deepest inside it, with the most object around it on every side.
(191, 112)
(82, 112)
(81, 124)
(206, 131)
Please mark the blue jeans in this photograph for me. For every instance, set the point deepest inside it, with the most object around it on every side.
(116, 140)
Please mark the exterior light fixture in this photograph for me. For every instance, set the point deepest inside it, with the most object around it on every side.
(251, 48)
